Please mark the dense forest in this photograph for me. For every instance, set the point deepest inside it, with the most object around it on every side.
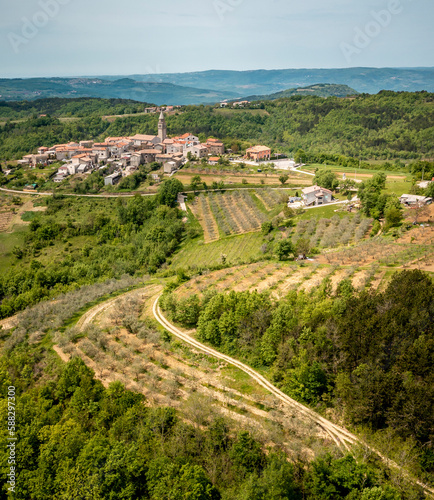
(64, 107)
(388, 125)
(369, 356)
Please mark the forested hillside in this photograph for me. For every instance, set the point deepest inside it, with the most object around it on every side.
(64, 107)
(368, 356)
(384, 126)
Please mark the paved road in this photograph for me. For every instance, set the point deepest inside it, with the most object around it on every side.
(130, 195)
(342, 437)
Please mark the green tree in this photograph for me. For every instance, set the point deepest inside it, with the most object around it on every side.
(266, 227)
(196, 181)
(326, 179)
(393, 217)
(284, 248)
(300, 156)
(168, 192)
(302, 247)
(283, 178)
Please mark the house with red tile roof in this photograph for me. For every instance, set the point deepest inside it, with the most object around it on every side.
(258, 153)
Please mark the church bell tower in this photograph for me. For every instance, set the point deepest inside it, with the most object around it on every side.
(162, 127)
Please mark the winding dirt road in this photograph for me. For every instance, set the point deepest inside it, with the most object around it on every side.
(342, 437)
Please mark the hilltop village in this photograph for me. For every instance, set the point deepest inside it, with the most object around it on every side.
(124, 155)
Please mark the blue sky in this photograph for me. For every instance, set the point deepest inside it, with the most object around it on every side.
(97, 37)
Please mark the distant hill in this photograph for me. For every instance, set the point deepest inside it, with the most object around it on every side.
(259, 82)
(319, 89)
(209, 87)
(124, 88)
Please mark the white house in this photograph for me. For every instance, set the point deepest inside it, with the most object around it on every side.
(199, 150)
(316, 195)
(413, 200)
(112, 179)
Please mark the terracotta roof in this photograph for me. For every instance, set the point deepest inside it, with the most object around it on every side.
(142, 137)
(258, 149)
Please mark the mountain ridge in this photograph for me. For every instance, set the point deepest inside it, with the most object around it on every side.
(365, 79)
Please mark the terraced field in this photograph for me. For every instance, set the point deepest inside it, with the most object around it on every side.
(202, 211)
(268, 197)
(231, 213)
(280, 278)
(120, 342)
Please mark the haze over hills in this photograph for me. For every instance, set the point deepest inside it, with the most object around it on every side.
(124, 88)
(213, 86)
(258, 82)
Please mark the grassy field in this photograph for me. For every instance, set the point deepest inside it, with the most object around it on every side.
(237, 249)
(7, 242)
(369, 263)
(235, 179)
(324, 212)
(397, 182)
(352, 173)
(398, 186)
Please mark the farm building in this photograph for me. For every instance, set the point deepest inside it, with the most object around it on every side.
(412, 200)
(316, 195)
(112, 179)
(424, 184)
(213, 160)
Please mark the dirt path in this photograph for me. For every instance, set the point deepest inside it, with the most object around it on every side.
(90, 315)
(16, 218)
(174, 378)
(342, 437)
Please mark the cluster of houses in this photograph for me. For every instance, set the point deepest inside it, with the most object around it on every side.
(236, 104)
(124, 155)
(316, 195)
(159, 109)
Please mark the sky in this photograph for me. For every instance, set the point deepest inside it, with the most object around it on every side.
(111, 37)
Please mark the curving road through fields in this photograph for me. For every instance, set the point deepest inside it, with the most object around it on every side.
(342, 437)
